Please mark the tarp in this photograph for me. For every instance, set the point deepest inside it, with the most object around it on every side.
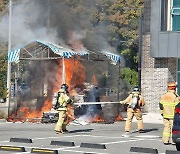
(38, 47)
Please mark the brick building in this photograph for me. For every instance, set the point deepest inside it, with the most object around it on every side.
(161, 49)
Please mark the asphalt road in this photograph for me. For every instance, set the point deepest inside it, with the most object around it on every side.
(109, 135)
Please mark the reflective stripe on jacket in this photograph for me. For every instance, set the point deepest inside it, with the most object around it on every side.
(167, 104)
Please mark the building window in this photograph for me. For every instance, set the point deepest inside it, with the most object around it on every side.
(175, 15)
(170, 15)
(166, 18)
(164, 14)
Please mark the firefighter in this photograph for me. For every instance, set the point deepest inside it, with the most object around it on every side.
(167, 105)
(61, 106)
(134, 101)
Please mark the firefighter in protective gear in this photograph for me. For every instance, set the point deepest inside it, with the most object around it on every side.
(135, 102)
(61, 106)
(167, 105)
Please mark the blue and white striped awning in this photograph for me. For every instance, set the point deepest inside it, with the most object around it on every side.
(63, 52)
(113, 57)
(14, 55)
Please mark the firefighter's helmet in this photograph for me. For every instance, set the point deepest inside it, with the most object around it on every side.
(172, 85)
(64, 87)
(136, 89)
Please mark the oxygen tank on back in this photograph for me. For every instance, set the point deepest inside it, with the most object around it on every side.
(135, 99)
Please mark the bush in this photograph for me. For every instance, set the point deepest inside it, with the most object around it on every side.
(129, 75)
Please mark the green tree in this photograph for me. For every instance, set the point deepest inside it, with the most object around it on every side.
(129, 75)
(121, 19)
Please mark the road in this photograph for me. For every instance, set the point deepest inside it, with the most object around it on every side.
(109, 135)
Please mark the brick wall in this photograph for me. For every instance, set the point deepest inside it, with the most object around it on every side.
(155, 73)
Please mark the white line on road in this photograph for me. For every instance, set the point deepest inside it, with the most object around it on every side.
(56, 137)
(102, 136)
(4, 141)
(131, 140)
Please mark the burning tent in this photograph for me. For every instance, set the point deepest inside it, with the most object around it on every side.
(38, 50)
(43, 84)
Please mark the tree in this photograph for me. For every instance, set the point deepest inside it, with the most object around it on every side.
(121, 20)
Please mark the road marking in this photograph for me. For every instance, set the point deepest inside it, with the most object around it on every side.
(131, 140)
(84, 152)
(4, 141)
(148, 136)
(55, 137)
(102, 136)
(78, 151)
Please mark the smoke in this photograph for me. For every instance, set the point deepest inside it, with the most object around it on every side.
(28, 23)
(54, 21)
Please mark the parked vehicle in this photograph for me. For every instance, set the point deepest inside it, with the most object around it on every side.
(176, 127)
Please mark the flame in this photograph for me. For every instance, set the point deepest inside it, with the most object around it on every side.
(99, 119)
(119, 118)
(75, 74)
(24, 113)
(96, 119)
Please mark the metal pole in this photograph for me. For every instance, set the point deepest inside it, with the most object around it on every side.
(16, 89)
(48, 22)
(140, 49)
(118, 80)
(9, 64)
(63, 71)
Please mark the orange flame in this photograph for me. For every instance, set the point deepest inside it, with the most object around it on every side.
(119, 118)
(24, 113)
(75, 74)
(97, 119)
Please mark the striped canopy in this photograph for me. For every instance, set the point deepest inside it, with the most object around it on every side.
(37, 49)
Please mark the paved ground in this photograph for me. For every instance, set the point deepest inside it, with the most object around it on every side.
(108, 134)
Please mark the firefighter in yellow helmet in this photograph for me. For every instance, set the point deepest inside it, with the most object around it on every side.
(167, 105)
(135, 101)
(61, 106)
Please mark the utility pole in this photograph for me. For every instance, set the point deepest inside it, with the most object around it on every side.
(119, 67)
(140, 49)
(9, 64)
